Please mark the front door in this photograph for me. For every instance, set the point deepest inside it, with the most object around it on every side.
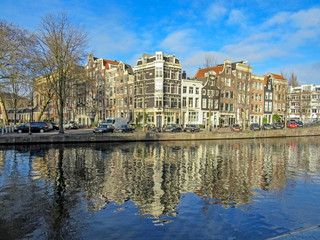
(159, 121)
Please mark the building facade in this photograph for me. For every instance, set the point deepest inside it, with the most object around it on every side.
(257, 99)
(304, 103)
(100, 100)
(191, 108)
(268, 98)
(157, 98)
(122, 92)
(280, 95)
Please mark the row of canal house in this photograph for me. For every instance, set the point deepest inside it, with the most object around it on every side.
(230, 93)
(158, 91)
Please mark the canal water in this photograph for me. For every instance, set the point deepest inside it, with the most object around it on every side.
(243, 189)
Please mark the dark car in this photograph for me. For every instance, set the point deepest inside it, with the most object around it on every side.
(35, 127)
(55, 125)
(235, 128)
(172, 128)
(277, 125)
(104, 128)
(300, 124)
(192, 128)
(124, 129)
(255, 127)
(267, 126)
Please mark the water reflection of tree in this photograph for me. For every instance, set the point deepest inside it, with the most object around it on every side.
(151, 175)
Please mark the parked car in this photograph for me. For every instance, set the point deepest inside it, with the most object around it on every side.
(235, 128)
(50, 126)
(55, 125)
(35, 127)
(192, 128)
(267, 126)
(300, 124)
(255, 127)
(70, 125)
(277, 125)
(124, 129)
(292, 124)
(172, 128)
(104, 128)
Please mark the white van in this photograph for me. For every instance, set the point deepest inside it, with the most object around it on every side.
(116, 122)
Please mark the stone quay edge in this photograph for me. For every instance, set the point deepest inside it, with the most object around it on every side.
(89, 136)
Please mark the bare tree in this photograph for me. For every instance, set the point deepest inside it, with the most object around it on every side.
(61, 46)
(209, 61)
(15, 47)
(293, 81)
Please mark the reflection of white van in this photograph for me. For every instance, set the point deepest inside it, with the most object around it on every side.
(116, 122)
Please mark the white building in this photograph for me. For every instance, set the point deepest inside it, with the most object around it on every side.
(191, 102)
(304, 102)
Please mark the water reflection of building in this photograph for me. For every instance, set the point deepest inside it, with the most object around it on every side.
(155, 175)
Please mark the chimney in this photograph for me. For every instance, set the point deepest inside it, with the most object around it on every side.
(184, 75)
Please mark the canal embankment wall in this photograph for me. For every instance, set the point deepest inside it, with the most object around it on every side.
(83, 137)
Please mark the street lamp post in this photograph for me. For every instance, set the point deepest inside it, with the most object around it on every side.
(31, 113)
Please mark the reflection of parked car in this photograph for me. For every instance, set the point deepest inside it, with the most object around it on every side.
(124, 129)
(267, 126)
(104, 128)
(172, 128)
(35, 127)
(70, 125)
(192, 128)
(292, 124)
(255, 127)
(300, 124)
(277, 125)
(235, 128)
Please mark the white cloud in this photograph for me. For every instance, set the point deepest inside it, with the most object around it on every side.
(178, 42)
(236, 17)
(215, 11)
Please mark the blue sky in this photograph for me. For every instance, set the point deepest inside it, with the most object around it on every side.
(274, 36)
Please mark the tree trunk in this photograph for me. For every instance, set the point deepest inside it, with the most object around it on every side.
(43, 107)
(4, 112)
(61, 130)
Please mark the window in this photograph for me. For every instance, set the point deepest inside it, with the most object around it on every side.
(216, 102)
(197, 90)
(204, 103)
(191, 102)
(184, 89)
(190, 90)
(193, 117)
(184, 102)
(228, 82)
(159, 71)
(197, 103)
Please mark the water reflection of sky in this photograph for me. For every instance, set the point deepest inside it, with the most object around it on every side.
(204, 190)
